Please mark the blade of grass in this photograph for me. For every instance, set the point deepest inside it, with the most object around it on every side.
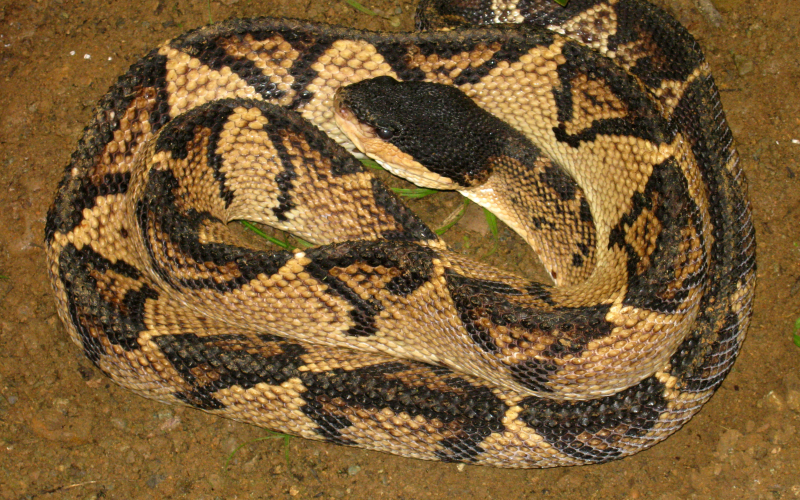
(300, 241)
(361, 8)
(452, 222)
(562, 3)
(491, 219)
(273, 435)
(264, 235)
(4, 277)
(303, 243)
(370, 163)
(414, 193)
(796, 336)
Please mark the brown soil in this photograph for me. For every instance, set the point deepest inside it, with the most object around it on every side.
(67, 432)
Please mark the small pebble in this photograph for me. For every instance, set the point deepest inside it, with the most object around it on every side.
(792, 400)
(709, 12)
(774, 401)
(164, 414)
(154, 480)
(119, 423)
(743, 65)
(215, 480)
(353, 470)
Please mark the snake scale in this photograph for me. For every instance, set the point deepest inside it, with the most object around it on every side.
(617, 166)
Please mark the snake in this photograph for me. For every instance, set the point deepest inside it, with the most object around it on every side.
(595, 131)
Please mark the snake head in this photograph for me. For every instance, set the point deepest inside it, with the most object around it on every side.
(429, 133)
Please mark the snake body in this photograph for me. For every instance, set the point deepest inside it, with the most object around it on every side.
(614, 145)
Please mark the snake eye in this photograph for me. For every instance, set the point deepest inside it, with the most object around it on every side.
(385, 133)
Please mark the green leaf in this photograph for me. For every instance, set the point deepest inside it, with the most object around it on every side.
(562, 3)
(4, 277)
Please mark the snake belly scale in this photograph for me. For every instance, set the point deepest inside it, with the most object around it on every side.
(380, 337)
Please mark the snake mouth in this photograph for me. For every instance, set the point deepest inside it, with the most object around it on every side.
(357, 131)
(365, 137)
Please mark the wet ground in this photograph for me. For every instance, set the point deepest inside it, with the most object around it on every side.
(67, 432)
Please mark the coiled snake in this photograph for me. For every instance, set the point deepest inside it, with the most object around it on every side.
(595, 131)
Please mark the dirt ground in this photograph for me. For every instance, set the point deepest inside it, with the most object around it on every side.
(67, 432)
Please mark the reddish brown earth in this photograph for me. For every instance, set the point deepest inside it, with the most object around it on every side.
(67, 432)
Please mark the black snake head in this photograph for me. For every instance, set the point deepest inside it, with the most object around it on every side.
(416, 130)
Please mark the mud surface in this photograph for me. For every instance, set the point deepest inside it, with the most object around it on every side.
(67, 432)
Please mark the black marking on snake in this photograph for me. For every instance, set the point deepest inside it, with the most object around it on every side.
(642, 120)
(672, 52)
(631, 413)
(327, 386)
(73, 191)
(710, 137)
(411, 227)
(540, 292)
(559, 181)
(157, 210)
(471, 412)
(642, 128)
(542, 14)
(183, 130)
(702, 366)
(398, 55)
(433, 14)
(228, 360)
(585, 250)
(310, 46)
(511, 50)
(120, 322)
(310, 49)
(474, 299)
(413, 261)
(575, 327)
(474, 12)
(211, 52)
(66, 217)
(586, 211)
(285, 178)
(666, 194)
